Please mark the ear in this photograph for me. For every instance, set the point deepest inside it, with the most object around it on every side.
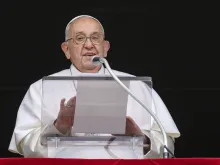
(64, 47)
(106, 47)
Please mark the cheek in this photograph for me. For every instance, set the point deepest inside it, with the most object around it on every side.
(100, 50)
(75, 52)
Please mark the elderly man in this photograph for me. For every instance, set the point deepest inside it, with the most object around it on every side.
(84, 39)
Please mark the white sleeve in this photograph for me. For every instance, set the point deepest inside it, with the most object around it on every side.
(156, 144)
(32, 144)
(26, 136)
(155, 134)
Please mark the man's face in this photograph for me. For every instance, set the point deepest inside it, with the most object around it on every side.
(81, 54)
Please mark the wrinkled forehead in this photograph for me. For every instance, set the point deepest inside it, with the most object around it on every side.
(76, 23)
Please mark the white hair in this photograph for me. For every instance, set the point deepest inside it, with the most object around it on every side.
(77, 17)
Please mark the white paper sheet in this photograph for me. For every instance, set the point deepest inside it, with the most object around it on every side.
(100, 107)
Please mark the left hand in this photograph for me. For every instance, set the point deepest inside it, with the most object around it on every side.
(132, 128)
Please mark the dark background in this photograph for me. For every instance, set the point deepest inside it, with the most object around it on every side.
(146, 40)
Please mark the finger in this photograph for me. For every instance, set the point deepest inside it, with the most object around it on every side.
(129, 120)
(62, 105)
(71, 101)
(70, 111)
(74, 100)
(132, 127)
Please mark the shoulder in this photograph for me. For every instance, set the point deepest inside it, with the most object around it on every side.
(38, 83)
(65, 72)
(119, 73)
(140, 84)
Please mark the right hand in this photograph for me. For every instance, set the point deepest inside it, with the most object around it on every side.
(65, 118)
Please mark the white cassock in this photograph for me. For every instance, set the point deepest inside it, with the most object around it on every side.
(26, 136)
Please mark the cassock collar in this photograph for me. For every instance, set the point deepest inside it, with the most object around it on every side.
(75, 71)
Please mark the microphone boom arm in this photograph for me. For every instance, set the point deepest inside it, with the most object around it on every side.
(102, 60)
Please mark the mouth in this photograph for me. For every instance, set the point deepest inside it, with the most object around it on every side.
(89, 54)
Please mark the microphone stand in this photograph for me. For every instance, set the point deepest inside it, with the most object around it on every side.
(96, 60)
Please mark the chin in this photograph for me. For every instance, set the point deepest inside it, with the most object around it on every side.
(92, 68)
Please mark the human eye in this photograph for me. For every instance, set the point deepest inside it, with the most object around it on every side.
(95, 37)
(80, 37)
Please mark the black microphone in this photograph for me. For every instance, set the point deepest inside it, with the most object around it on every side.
(96, 60)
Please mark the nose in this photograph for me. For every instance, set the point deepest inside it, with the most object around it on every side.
(88, 43)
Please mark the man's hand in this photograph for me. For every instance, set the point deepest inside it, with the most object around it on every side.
(65, 118)
(132, 128)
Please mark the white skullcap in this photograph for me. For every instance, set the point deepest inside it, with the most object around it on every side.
(77, 17)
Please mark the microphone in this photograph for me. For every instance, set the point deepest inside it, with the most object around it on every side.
(166, 151)
(96, 60)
